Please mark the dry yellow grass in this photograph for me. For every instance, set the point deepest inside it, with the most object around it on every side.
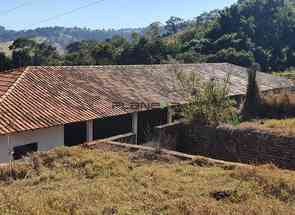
(284, 127)
(287, 74)
(81, 181)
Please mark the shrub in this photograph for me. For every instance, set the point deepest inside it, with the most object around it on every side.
(207, 102)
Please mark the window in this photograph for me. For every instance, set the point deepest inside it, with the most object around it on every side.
(21, 151)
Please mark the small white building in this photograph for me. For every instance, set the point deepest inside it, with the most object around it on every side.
(45, 107)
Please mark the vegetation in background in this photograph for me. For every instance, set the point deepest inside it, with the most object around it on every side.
(238, 34)
(29, 52)
(62, 37)
(253, 31)
(81, 181)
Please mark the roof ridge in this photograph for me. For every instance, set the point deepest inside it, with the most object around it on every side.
(10, 89)
(126, 65)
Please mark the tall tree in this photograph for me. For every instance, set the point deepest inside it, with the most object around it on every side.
(5, 62)
(253, 30)
(26, 52)
(174, 25)
(153, 31)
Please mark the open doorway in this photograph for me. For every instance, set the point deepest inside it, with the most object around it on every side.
(75, 134)
(147, 120)
(112, 126)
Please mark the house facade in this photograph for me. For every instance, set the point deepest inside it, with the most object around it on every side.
(46, 107)
(44, 139)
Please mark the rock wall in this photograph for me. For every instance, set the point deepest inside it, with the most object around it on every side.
(168, 135)
(231, 144)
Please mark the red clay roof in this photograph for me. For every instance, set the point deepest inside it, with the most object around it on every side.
(7, 80)
(40, 97)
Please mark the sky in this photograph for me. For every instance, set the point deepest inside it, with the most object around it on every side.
(99, 14)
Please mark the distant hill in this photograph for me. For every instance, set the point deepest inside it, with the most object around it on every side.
(61, 36)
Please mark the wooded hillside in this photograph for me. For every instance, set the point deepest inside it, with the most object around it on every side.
(249, 31)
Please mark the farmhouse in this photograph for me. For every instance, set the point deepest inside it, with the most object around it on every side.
(45, 107)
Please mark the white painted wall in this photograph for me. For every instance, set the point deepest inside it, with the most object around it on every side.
(89, 131)
(47, 138)
(135, 125)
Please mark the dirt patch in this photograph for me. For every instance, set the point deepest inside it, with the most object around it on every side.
(152, 156)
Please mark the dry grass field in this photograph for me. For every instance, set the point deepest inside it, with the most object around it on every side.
(100, 181)
(284, 127)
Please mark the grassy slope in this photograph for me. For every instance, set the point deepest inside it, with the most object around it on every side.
(81, 181)
(277, 126)
(288, 74)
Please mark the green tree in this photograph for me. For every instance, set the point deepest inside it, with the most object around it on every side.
(153, 31)
(250, 30)
(208, 102)
(5, 62)
(174, 25)
(22, 52)
(26, 52)
(80, 53)
(103, 54)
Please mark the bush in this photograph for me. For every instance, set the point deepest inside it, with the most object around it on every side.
(208, 102)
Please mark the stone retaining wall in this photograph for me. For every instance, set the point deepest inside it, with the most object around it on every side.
(168, 135)
(231, 144)
(242, 145)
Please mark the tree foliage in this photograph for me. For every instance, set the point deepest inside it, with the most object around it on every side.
(249, 31)
(174, 25)
(253, 31)
(208, 101)
(27, 52)
(65, 36)
(5, 62)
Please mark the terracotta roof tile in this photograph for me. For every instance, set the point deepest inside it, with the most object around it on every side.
(7, 80)
(40, 97)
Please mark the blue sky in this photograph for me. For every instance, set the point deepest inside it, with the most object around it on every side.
(26, 14)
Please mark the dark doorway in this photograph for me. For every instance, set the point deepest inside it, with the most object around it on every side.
(112, 126)
(147, 121)
(75, 133)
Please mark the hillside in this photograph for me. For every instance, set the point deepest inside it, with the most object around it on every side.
(282, 127)
(111, 181)
(61, 36)
(235, 34)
